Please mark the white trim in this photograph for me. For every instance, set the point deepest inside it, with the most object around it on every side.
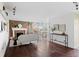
(14, 29)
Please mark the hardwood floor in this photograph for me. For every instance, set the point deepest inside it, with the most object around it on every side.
(41, 49)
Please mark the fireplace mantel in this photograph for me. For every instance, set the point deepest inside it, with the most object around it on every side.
(16, 29)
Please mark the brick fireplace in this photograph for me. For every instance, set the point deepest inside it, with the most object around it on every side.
(13, 23)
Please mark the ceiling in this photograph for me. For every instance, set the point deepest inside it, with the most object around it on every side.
(40, 9)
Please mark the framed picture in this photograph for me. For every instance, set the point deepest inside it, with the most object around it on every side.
(62, 27)
(56, 27)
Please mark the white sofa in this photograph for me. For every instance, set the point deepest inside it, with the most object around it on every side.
(27, 38)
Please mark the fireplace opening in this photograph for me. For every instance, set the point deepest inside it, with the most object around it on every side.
(18, 34)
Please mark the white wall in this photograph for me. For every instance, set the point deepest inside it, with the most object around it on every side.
(76, 29)
(65, 18)
(3, 38)
(28, 18)
(1, 6)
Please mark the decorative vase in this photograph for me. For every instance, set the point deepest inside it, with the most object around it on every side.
(19, 25)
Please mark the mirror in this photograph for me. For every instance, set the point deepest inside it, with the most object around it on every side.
(59, 27)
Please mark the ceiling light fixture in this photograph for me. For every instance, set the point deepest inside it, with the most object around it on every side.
(76, 5)
(14, 10)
